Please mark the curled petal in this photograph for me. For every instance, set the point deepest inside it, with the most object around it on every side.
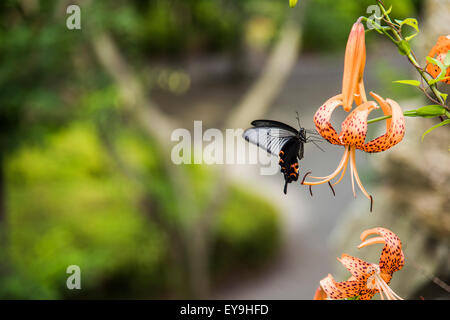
(355, 58)
(395, 127)
(320, 294)
(360, 269)
(354, 127)
(386, 277)
(392, 258)
(322, 119)
(340, 290)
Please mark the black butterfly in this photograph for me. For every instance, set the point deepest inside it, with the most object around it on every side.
(282, 140)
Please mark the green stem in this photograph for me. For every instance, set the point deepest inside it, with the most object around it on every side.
(426, 78)
(378, 119)
(410, 55)
(399, 38)
(409, 113)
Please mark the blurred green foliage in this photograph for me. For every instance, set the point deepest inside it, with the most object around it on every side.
(67, 202)
(36, 67)
(327, 23)
(181, 28)
(243, 234)
(69, 205)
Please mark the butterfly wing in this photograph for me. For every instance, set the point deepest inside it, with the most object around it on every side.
(274, 124)
(269, 138)
(280, 140)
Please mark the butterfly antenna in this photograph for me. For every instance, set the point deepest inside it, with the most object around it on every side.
(285, 187)
(317, 146)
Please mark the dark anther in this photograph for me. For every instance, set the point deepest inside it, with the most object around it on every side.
(371, 203)
(332, 189)
(304, 177)
(310, 190)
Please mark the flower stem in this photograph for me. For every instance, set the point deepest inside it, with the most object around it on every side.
(409, 113)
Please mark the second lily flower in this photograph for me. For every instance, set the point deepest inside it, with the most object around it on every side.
(354, 127)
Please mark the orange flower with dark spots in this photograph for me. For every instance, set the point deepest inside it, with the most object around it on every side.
(353, 135)
(354, 127)
(367, 278)
(439, 52)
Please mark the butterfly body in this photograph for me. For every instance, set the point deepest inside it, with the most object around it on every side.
(280, 140)
(289, 161)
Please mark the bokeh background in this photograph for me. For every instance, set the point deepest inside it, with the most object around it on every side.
(85, 172)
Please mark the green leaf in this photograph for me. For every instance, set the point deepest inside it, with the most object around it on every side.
(443, 96)
(443, 123)
(431, 111)
(292, 3)
(447, 59)
(411, 22)
(414, 83)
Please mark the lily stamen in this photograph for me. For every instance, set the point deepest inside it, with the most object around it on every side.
(331, 176)
(343, 172)
(390, 294)
(358, 181)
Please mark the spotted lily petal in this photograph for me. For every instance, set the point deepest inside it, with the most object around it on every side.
(354, 127)
(340, 290)
(320, 294)
(442, 46)
(392, 258)
(395, 127)
(360, 269)
(367, 294)
(322, 119)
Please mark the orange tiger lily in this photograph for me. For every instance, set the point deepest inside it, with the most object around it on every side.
(354, 127)
(439, 52)
(367, 279)
(353, 135)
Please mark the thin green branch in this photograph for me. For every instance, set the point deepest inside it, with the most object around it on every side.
(409, 113)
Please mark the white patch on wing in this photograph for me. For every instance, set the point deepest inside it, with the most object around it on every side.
(267, 138)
